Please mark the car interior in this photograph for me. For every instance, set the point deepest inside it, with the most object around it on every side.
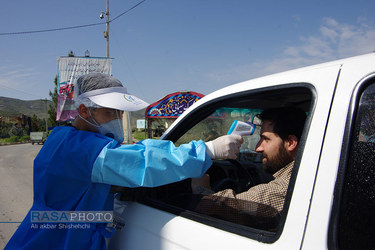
(207, 122)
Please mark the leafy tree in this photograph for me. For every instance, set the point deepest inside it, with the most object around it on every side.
(14, 131)
(52, 107)
(37, 125)
(34, 123)
(4, 129)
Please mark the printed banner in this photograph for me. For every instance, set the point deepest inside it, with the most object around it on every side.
(172, 105)
(69, 70)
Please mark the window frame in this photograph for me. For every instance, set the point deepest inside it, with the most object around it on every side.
(333, 230)
(207, 109)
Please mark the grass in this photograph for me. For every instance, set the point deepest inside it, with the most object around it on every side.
(139, 135)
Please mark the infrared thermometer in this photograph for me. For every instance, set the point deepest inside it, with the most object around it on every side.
(241, 128)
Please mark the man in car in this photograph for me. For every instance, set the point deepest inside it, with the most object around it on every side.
(280, 135)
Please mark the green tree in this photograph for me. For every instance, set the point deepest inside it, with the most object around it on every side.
(4, 129)
(35, 123)
(52, 107)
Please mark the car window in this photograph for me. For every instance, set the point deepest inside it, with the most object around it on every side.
(219, 123)
(354, 224)
(209, 122)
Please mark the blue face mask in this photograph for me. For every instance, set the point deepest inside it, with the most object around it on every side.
(113, 129)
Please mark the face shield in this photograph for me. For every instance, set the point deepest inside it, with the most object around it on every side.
(109, 104)
(112, 126)
(113, 129)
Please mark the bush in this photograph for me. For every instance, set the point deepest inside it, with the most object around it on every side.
(11, 139)
(25, 138)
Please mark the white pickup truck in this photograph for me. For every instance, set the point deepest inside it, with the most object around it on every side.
(330, 203)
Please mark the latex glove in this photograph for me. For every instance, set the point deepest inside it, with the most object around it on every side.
(224, 147)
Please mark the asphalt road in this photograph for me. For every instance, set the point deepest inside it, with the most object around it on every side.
(16, 186)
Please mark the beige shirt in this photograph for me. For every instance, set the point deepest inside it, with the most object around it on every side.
(271, 194)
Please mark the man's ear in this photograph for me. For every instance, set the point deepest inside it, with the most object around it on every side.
(291, 143)
(83, 111)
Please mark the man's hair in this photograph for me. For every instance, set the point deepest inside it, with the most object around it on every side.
(286, 121)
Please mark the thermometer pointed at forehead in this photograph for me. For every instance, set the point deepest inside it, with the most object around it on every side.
(241, 128)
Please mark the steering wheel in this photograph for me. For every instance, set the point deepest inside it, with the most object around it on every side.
(238, 186)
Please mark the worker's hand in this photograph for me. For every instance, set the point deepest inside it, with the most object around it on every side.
(224, 147)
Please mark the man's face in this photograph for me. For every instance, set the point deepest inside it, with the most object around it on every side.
(273, 149)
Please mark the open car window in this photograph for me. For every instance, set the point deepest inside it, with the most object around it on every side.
(220, 122)
(208, 122)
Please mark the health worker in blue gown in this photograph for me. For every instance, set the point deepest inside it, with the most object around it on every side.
(77, 165)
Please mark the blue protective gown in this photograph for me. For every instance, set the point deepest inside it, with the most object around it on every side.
(74, 171)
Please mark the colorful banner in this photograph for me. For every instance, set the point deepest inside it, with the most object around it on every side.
(172, 105)
(69, 70)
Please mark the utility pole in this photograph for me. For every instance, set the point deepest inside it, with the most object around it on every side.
(126, 115)
(106, 33)
(47, 115)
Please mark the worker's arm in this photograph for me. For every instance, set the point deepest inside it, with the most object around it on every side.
(150, 163)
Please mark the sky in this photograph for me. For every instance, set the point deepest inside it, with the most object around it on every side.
(165, 46)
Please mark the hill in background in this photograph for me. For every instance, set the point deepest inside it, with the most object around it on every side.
(15, 107)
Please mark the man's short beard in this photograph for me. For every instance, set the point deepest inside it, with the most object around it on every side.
(276, 163)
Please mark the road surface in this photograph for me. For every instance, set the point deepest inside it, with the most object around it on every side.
(16, 186)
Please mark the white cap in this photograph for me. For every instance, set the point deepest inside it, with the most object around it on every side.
(115, 98)
(102, 90)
